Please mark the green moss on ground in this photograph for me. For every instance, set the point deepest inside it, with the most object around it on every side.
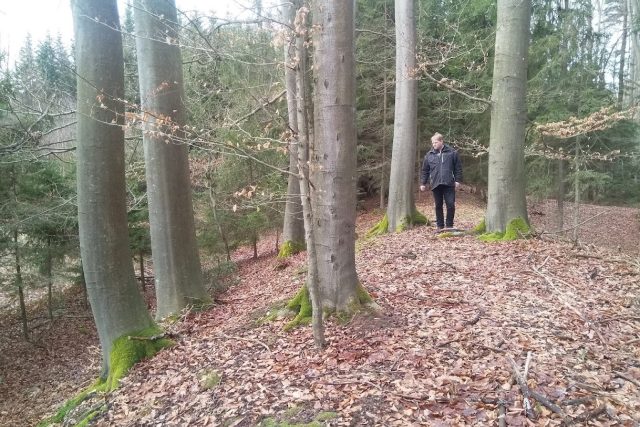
(210, 379)
(68, 406)
(517, 228)
(445, 235)
(291, 418)
(290, 247)
(128, 350)
(382, 227)
(91, 415)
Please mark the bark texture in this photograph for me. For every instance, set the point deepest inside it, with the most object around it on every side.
(506, 192)
(176, 261)
(116, 303)
(293, 230)
(334, 159)
(401, 205)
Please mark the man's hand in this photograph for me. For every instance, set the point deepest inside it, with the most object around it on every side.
(423, 187)
(457, 185)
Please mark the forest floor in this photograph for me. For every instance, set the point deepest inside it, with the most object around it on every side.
(455, 316)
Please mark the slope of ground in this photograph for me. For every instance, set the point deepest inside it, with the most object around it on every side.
(454, 312)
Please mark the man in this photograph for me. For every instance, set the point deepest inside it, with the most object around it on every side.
(442, 170)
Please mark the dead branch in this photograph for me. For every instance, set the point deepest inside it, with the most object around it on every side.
(245, 339)
(151, 338)
(528, 408)
(475, 319)
(586, 416)
(627, 378)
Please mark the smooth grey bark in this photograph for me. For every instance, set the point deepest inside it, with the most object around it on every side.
(302, 164)
(20, 285)
(623, 53)
(560, 194)
(293, 229)
(178, 276)
(506, 192)
(116, 303)
(334, 166)
(401, 205)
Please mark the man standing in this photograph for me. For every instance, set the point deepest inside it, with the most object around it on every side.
(442, 170)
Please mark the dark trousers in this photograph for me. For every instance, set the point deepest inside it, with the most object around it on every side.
(446, 194)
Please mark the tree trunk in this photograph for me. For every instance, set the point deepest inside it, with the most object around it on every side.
(576, 190)
(383, 175)
(293, 229)
(560, 195)
(506, 193)
(49, 272)
(141, 264)
(176, 261)
(334, 161)
(633, 9)
(117, 305)
(302, 138)
(623, 53)
(401, 207)
(19, 286)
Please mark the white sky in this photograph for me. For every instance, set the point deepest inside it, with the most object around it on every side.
(37, 17)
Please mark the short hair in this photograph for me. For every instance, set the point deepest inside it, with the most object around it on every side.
(437, 136)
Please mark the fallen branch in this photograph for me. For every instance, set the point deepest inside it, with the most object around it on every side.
(586, 416)
(528, 408)
(245, 339)
(627, 378)
(475, 319)
(151, 338)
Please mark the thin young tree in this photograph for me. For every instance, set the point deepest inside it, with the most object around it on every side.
(506, 192)
(401, 210)
(118, 308)
(176, 262)
(293, 231)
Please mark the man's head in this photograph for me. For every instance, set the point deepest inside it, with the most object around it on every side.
(437, 141)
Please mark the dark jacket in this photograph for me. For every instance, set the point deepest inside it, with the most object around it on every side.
(441, 168)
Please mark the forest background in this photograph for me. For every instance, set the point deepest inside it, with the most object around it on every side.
(581, 140)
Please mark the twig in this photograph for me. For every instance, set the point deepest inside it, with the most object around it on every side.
(546, 402)
(586, 416)
(528, 408)
(502, 413)
(475, 319)
(246, 339)
(151, 338)
(526, 366)
(628, 378)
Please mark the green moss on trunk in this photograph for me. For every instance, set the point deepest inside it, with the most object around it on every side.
(517, 228)
(128, 350)
(290, 248)
(301, 304)
(412, 220)
(481, 228)
(382, 227)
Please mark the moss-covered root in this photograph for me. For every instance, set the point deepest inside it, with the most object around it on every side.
(412, 220)
(301, 305)
(481, 228)
(517, 228)
(129, 349)
(382, 227)
(290, 247)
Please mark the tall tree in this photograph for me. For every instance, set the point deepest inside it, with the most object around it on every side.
(401, 210)
(506, 192)
(117, 306)
(173, 242)
(334, 158)
(293, 230)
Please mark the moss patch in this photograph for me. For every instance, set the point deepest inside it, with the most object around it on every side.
(517, 228)
(301, 304)
(382, 227)
(290, 247)
(481, 228)
(412, 220)
(210, 379)
(128, 350)
(68, 406)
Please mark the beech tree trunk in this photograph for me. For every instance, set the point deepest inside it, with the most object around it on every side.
(176, 261)
(506, 192)
(633, 8)
(293, 230)
(116, 303)
(401, 205)
(623, 53)
(334, 166)
(302, 139)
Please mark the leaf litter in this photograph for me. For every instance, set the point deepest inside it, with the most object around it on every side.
(438, 352)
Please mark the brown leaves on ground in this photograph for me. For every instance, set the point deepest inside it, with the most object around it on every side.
(436, 354)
